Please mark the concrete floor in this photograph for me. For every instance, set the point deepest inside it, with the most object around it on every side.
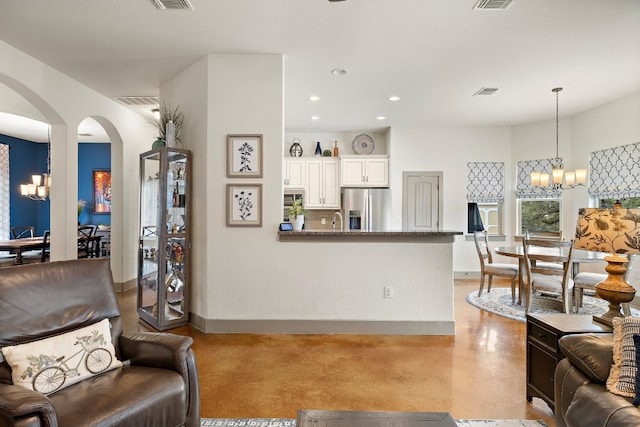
(478, 373)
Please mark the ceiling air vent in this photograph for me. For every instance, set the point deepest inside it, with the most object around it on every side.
(493, 4)
(172, 4)
(486, 91)
(138, 100)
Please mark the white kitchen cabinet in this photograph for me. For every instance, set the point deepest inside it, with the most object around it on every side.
(369, 171)
(322, 189)
(294, 173)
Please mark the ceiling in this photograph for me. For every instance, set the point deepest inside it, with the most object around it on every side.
(433, 54)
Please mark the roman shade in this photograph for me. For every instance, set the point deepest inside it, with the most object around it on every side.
(615, 172)
(485, 182)
(524, 188)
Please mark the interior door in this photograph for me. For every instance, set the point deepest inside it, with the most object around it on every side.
(422, 201)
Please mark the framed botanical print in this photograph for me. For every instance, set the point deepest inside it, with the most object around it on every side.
(244, 205)
(101, 191)
(244, 156)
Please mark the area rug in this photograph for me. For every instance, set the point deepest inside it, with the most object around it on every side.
(290, 422)
(498, 301)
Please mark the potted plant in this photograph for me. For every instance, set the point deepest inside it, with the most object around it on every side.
(169, 114)
(296, 214)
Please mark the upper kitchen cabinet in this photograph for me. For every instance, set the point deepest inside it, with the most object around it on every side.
(323, 186)
(294, 173)
(365, 171)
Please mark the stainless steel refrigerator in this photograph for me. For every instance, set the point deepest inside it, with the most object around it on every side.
(366, 209)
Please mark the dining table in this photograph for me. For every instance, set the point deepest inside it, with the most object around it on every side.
(578, 257)
(19, 246)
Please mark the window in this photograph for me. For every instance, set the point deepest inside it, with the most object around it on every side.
(491, 214)
(485, 186)
(539, 215)
(631, 203)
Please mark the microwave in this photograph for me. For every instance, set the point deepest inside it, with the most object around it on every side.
(290, 194)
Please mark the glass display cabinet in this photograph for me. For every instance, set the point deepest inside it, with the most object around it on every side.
(165, 243)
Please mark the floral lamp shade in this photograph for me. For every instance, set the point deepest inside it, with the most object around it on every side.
(608, 230)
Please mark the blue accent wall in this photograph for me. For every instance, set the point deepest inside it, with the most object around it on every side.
(27, 158)
(91, 156)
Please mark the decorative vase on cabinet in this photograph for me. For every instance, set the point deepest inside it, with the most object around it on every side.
(165, 237)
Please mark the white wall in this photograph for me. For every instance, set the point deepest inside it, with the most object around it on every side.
(65, 103)
(448, 150)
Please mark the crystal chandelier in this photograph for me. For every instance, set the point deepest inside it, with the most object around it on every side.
(571, 179)
(38, 189)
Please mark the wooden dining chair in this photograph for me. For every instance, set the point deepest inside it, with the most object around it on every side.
(545, 279)
(490, 268)
(22, 231)
(545, 235)
(38, 255)
(85, 243)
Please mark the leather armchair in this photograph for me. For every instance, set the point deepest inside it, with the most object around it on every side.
(581, 396)
(158, 386)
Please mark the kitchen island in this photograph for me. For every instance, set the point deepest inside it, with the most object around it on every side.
(391, 282)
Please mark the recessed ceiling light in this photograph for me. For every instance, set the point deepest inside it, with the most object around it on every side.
(315, 118)
(339, 71)
(314, 98)
(381, 118)
(393, 98)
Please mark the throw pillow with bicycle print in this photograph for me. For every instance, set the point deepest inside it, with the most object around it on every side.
(49, 365)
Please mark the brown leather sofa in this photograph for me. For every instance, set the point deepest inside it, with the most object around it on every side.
(581, 396)
(158, 388)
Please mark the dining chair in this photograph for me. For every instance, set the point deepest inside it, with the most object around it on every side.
(490, 268)
(85, 243)
(588, 280)
(548, 279)
(545, 235)
(38, 255)
(22, 231)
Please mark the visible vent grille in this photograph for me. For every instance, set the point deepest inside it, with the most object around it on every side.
(172, 4)
(138, 100)
(493, 4)
(486, 91)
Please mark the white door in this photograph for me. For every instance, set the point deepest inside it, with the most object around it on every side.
(422, 201)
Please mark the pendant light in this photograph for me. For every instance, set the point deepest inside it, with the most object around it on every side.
(558, 175)
(38, 189)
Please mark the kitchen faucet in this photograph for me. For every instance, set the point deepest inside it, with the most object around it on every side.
(333, 221)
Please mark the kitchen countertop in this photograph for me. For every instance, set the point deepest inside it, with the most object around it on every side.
(337, 235)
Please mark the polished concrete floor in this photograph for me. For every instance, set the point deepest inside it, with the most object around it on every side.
(478, 373)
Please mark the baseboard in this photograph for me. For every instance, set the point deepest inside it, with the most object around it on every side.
(466, 275)
(323, 327)
(126, 286)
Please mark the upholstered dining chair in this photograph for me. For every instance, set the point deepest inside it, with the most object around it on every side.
(548, 279)
(588, 280)
(490, 268)
(545, 235)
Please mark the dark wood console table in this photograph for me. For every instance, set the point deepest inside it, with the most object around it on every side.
(543, 352)
(308, 418)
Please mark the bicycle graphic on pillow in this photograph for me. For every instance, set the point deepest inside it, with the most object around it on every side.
(53, 376)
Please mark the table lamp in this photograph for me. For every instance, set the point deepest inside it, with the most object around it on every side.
(616, 231)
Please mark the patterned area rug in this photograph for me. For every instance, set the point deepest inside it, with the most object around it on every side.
(289, 422)
(498, 301)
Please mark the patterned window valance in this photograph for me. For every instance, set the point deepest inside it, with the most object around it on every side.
(4, 191)
(524, 189)
(485, 182)
(615, 172)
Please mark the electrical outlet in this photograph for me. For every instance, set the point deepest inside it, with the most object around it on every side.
(388, 291)
(323, 221)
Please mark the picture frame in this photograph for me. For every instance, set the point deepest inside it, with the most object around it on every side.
(244, 205)
(101, 191)
(244, 156)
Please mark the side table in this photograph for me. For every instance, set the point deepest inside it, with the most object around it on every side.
(543, 352)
